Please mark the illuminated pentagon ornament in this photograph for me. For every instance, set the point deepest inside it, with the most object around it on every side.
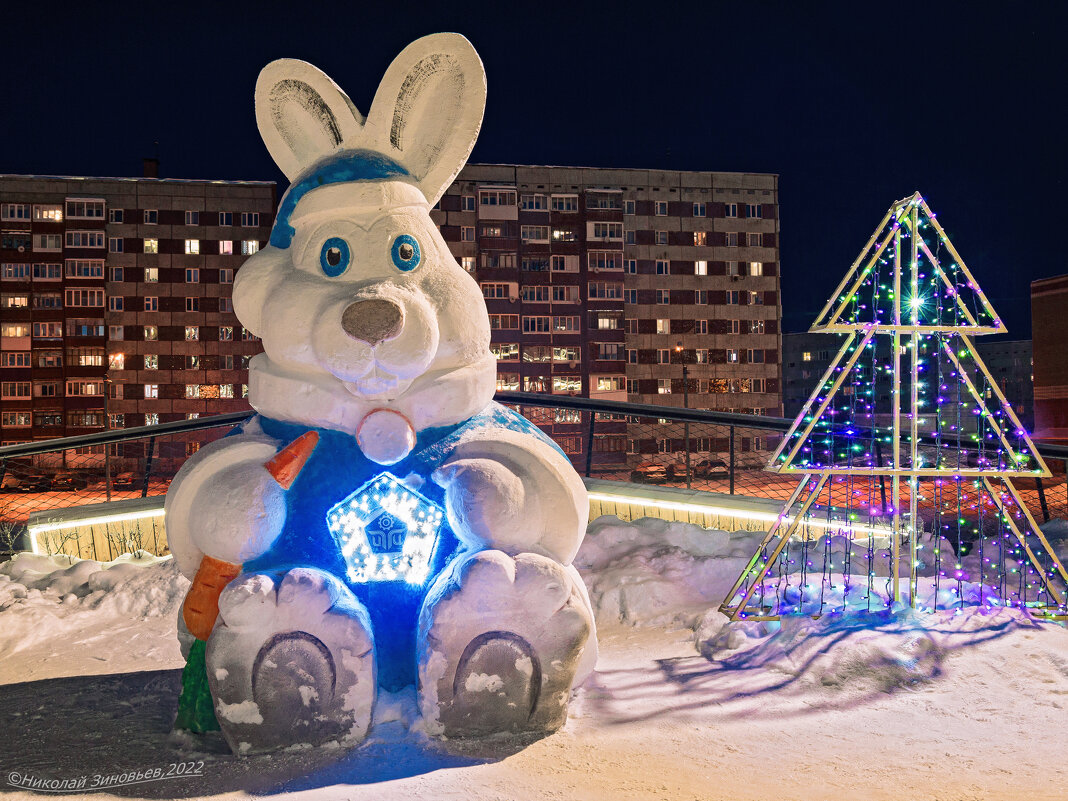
(386, 531)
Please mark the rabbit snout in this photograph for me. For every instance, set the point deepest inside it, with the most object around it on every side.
(372, 321)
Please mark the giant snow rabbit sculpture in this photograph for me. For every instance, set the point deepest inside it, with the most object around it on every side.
(380, 522)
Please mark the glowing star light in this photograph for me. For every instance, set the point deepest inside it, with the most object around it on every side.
(386, 531)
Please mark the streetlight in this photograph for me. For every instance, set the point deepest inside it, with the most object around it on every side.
(685, 405)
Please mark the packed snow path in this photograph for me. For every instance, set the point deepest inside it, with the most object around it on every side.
(967, 705)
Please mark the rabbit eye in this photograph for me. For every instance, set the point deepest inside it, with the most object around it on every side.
(405, 252)
(334, 257)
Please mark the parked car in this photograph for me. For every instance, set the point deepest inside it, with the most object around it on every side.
(649, 472)
(699, 468)
(712, 468)
(69, 480)
(127, 481)
(33, 484)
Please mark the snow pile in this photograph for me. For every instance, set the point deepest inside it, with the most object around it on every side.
(655, 572)
(45, 598)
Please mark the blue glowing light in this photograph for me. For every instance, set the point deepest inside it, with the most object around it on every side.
(386, 531)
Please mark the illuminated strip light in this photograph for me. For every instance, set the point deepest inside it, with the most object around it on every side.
(726, 511)
(79, 522)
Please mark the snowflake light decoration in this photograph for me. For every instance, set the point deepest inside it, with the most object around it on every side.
(386, 531)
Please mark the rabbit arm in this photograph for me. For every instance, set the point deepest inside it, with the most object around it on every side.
(223, 503)
(516, 494)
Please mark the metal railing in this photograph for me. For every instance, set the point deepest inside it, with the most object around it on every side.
(641, 443)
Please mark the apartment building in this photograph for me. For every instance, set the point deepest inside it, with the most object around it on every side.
(616, 284)
(115, 300)
(602, 283)
(1049, 298)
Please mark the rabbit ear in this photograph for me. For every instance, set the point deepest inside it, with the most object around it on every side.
(428, 109)
(302, 114)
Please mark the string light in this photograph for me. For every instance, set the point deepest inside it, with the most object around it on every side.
(908, 400)
(386, 531)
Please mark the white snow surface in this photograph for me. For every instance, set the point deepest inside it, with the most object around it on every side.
(960, 704)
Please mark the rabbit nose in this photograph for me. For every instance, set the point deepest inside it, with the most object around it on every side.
(372, 321)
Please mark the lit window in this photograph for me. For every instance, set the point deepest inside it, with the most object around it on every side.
(663, 386)
(226, 390)
(663, 325)
(151, 245)
(700, 267)
(192, 333)
(806, 356)
(152, 418)
(756, 268)
(116, 361)
(152, 361)
(226, 247)
(151, 275)
(700, 238)
(249, 246)
(151, 390)
(192, 390)
(468, 263)
(226, 333)
(192, 247)
(151, 333)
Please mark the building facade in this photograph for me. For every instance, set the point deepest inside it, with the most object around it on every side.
(115, 300)
(1049, 299)
(614, 284)
(618, 284)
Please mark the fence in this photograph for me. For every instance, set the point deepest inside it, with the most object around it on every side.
(607, 440)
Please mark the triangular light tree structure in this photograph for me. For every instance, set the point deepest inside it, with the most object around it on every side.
(906, 401)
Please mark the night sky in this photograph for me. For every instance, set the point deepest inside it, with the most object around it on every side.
(852, 108)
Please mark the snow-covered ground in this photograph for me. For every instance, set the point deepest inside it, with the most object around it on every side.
(958, 705)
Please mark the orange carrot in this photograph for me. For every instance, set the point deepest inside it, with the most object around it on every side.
(288, 462)
(202, 603)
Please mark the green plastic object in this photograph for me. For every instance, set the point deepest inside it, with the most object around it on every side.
(196, 710)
